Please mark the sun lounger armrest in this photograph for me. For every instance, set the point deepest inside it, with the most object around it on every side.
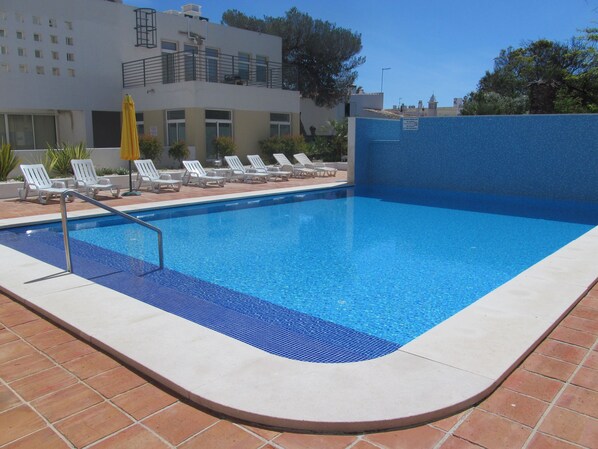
(211, 173)
(58, 184)
(165, 176)
(79, 183)
(104, 181)
(251, 170)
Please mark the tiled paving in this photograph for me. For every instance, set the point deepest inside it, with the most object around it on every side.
(58, 392)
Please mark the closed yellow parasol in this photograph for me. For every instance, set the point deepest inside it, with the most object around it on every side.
(129, 140)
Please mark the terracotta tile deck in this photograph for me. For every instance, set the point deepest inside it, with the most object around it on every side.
(58, 392)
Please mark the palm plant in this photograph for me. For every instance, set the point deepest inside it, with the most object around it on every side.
(8, 161)
(58, 160)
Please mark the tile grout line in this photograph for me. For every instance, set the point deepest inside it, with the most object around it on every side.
(28, 403)
(552, 404)
(450, 432)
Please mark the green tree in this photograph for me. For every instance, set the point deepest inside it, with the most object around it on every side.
(325, 55)
(541, 77)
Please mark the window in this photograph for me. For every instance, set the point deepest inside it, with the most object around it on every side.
(168, 61)
(2, 32)
(20, 35)
(190, 62)
(261, 69)
(280, 125)
(40, 70)
(37, 20)
(53, 39)
(175, 124)
(27, 132)
(3, 50)
(52, 23)
(19, 17)
(68, 24)
(37, 37)
(212, 65)
(39, 54)
(244, 59)
(55, 55)
(55, 71)
(21, 51)
(3, 128)
(71, 72)
(218, 124)
(69, 40)
(4, 68)
(140, 125)
(70, 57)
(23, 68)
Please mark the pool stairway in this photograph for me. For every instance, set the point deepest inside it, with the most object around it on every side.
(264, 325)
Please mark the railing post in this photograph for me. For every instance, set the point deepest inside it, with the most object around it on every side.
(65, 231)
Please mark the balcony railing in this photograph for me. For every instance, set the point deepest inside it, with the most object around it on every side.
(199, 66)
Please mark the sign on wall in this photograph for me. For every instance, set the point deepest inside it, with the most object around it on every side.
(410, 123)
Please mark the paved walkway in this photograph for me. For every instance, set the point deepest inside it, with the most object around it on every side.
(59, 392)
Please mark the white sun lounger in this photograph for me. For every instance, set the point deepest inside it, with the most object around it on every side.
(147, 174)
(298, 171)
(320, 167)
(37, 180)
(194, 172)
(273, 172)
(240, 172)
(87, 178)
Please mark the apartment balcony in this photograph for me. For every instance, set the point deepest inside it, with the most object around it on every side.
(182, 66)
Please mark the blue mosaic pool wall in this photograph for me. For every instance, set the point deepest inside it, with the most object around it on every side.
(541, 156)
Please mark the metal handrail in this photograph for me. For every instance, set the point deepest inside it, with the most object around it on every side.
(65, 228)
(182, 66)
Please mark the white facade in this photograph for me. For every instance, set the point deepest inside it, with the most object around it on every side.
(64, 58)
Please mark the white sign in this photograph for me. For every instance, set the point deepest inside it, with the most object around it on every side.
(410, 123)
(154, 131)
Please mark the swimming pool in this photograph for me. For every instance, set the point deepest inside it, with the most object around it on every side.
(329, 276)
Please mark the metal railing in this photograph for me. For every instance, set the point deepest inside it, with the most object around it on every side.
(65, 228)
(199, 66)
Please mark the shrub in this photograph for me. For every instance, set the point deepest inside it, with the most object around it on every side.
(288, 145)
(121, 171)
(8, 161)
(224, 146)
(333, 146)
(150, 147)
(111, 171)
(58, 160)
(179, 152)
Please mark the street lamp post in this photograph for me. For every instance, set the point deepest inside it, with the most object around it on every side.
(382, 80)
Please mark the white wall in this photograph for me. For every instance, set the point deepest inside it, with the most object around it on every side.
(312, 115)
(202, 94)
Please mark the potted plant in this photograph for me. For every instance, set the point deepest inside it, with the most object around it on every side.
(179, 152)
(224, 146)
(150, 147)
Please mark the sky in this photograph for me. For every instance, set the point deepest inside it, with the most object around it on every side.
(440, 47)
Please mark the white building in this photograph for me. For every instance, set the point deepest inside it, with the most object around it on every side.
(66, 64)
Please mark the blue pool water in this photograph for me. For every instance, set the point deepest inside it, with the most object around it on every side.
(333, 266)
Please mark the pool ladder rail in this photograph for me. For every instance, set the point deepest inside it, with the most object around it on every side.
(65, 228)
